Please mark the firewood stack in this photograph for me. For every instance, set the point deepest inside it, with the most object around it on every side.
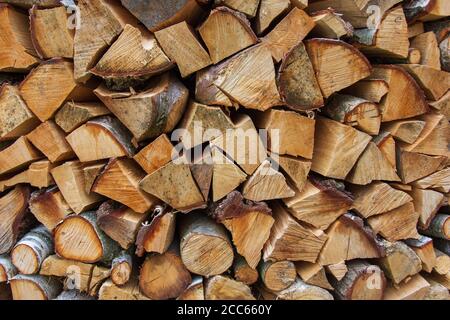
(195, 149)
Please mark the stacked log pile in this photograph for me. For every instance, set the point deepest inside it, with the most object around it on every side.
(195, 149)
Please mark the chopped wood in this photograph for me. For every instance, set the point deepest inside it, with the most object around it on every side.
(17, 156)
(7, 269)
(225, 33)
(243, 272)
(120, 223)
(407, 131)
(330, 24)
(195, 291)
(444, 47)
(415, 29)
(433, 82)
(74, 114)
(91, 173)
(15, 117)
(437, 291)
(369, 89)
(439, 181)
(155, 155)
(278, 275)
(101, 138)
(313, 274)
(269, 10)
(400, 261)
(30, 3)
(439, 227)
(337, 148)
(224, 288)
(149, 113)
(413, 166)
(249, 224)
(339, 248)
(290, 240)
(288, 33)
(181, 45)
(427, 203)
(423, 247)
(337, 270)
(249, 7)
(128, 292)
(199, 234)
(17, 52)
(296, 169)
(298, 291)
(320, 203)
(428, 46)
(121, 268)
(442, 266)
(202, 171)
(35, 287)
(442, 105)
(79, 238)
(73, 295)
(414, 289)
(426, 10)
(133, 58)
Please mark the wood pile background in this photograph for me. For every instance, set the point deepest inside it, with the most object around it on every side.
(348, 197)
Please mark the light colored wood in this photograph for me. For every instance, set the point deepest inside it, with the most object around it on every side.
(415, 289)
(74, 114)
(149, 113)
(415, 29)
(338, 270)
(407, 131)
(35, 287)
(91, 172)
(182, 47)
(423, 247)
(243, 272)
(337, 148)
(268, 11)
(19, 178)
(437, 291)
(442, 266)
(155, 155)
(313, 274)
(372, 90)
(342, 244)
(330, 24)
(442, 105)
(17, 52)
(7, 269)
(249, 7)
(320, 203)
(279, 275)
(39, 174)
(439, 181)
(298, 291)
(120, 181)
(15, 117)
(413, 166)
(333, 76)
(427, 10)
(29, 3)
(195, 291)
(70, 180)
(101, 138)
(428, 46)
(225, 33)
(433, 82)
(129, 292)
(439, 227)
(224, 288)
(295, 169)
(17, 156)
(50, 33)
(427, 202)
(290, 240)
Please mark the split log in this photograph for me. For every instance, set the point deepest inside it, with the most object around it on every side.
(333, 77)
(442, 266)
(371, 90)
(363, 281)
(13, 210)
(440, 28)
(320, 203)
(414, 289)
(91, 172)
(441, 279)
(20, 178)
(339, 246)
(202, 170)
(101, 138)
(248, 7)
(428, 46)
(423, 247)
(198, 235)
(17, 156)
(400, 261)
(313, 274)
(270, 10)
(164, 276)
(249, 224)
(415, 29)
(297, 81)
(121, 268)
(292, 241)
(181, 45)
(53, 82)
(367, 199)
(74, 114)
(444, 47)
(337, 270)
(330, 24)
(225, 33)
(158, 15)
(120, 223)
(15, 118)
(296, 169)
(413, 166)
(397, 224)
(243, 272)
(17, 52)
(50, 33)
(442, 105)
(128, 292)
(356, 112)
(427, 202)
(433, 82)
(175, 185)
(70, 180)
(29, 253)
(288, 33)
(35, 287)
(51, 141)
(439, 181)
(149, 113)
(224, 288)
(133, 58)
(389, 39)
(7, 269)
(407, 131)
(403, 91)
(426, 10)
(157, 235)
(49, 207)
(235, 80)
(439, 227)
(298, 291)
(267, 184)
(39, 174)
(277, 276)
(195, 291)
(436, 291)
(30, 3)
(155, 155)
(120, 181)
(337, 148)
(73, 295)
(79, 238)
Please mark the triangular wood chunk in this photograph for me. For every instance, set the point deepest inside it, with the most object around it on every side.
(267, 184)
(74, 114)
(405, 130)
(428, 46)
(269, 10)
(313, 274)
(439, 181)
(155, 155)
(413, 166)
(433, 82)
(423, 247)
(427, 203)
(369, 89)
(17, 156)
(298, 291)
(414, 289)
(224, 288)
(296, 169)
(329, 24)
